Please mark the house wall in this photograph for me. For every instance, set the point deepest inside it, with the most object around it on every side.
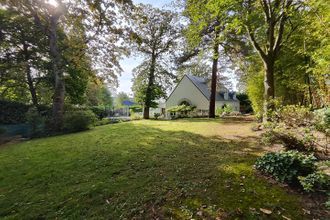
(186, 90)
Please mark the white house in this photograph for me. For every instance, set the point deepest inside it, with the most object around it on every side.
(195, 91)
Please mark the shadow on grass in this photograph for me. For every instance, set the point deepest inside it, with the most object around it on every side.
(137, 171)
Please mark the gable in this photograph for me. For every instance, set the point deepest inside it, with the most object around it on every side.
(187, 90)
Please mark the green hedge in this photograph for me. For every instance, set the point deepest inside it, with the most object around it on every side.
(12, 112)
(15, 112)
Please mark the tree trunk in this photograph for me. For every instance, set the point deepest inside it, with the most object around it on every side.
(32, 89)
(146, 112)
(59, 92)
(269, 86)
(214, 80)
(148, 100)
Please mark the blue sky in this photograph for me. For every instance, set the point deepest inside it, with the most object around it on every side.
(128, 64)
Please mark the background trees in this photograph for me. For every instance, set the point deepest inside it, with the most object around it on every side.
(68, 53)
(79, 42)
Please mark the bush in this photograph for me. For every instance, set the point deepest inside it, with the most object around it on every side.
(36, 121)
(135, 108)
(286, 166)
(315, 181)
(2, 130)
(226, 109)
(322, 119)
(12, 112)
(135, 116)
(78, 120)
(295, 116)
(99, 111)
(156, 115)
(180, 111)
(296, 128)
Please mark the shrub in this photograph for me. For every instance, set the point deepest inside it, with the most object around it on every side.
(135, 108)
(226, 109)
(99, 111)
(36, 121)
(78, 120)
(322, 119)
(314, 181)
(12, 112)
(2, 130)
(286, 166)
(182, 110)
(219, 111)
(156, 115)
(295, 116)
(135, 116)
(103, 121)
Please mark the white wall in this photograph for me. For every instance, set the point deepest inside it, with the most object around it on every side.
(187, 90)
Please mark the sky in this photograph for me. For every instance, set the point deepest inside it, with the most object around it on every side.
(128, 64)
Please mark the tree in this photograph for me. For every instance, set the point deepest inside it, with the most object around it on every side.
(208, 25)
(94, 18)
(162, 83)
(98, 94)
(23, 50)
(120, 98)
(266, 23)
(155, 34)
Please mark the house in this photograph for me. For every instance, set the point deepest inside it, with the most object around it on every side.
(195, 91)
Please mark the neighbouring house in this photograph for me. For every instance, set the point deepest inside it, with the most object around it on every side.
(195, 91)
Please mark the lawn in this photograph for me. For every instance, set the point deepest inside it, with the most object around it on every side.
(201, 169)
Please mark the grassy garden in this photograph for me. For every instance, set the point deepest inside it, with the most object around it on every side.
(183, 169)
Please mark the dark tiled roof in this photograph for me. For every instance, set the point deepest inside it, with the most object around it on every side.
(201, 84)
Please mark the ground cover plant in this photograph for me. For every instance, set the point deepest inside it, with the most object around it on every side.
(183, 169)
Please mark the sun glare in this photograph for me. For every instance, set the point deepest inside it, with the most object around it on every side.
(52, 2)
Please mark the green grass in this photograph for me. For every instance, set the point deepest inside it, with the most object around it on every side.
(143, 169)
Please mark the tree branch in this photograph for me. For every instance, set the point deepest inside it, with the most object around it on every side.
(255, 43)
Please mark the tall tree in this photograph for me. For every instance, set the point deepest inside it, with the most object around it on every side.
(23, 49)
(155, 34)
(208, 26)
(267, 25)
(95, 17)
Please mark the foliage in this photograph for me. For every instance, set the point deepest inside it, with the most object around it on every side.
(181, 109)
(255, 92)
(224, 110)
(2, 130)
(245, 102)
(294, 116)
(135, 115)
(322, 119)
(106, 121)
(296, 127)
(99, 111)
(136, 108)
(12, 112)
(156, 115)
(155, 36)
(36, 121)
(78, 120)
(286, 166)
(120, 98)
(315, 181)
(97, 94)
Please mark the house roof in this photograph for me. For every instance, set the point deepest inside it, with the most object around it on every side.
(202, 86)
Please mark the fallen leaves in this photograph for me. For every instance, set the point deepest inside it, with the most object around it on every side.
(266, 211)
